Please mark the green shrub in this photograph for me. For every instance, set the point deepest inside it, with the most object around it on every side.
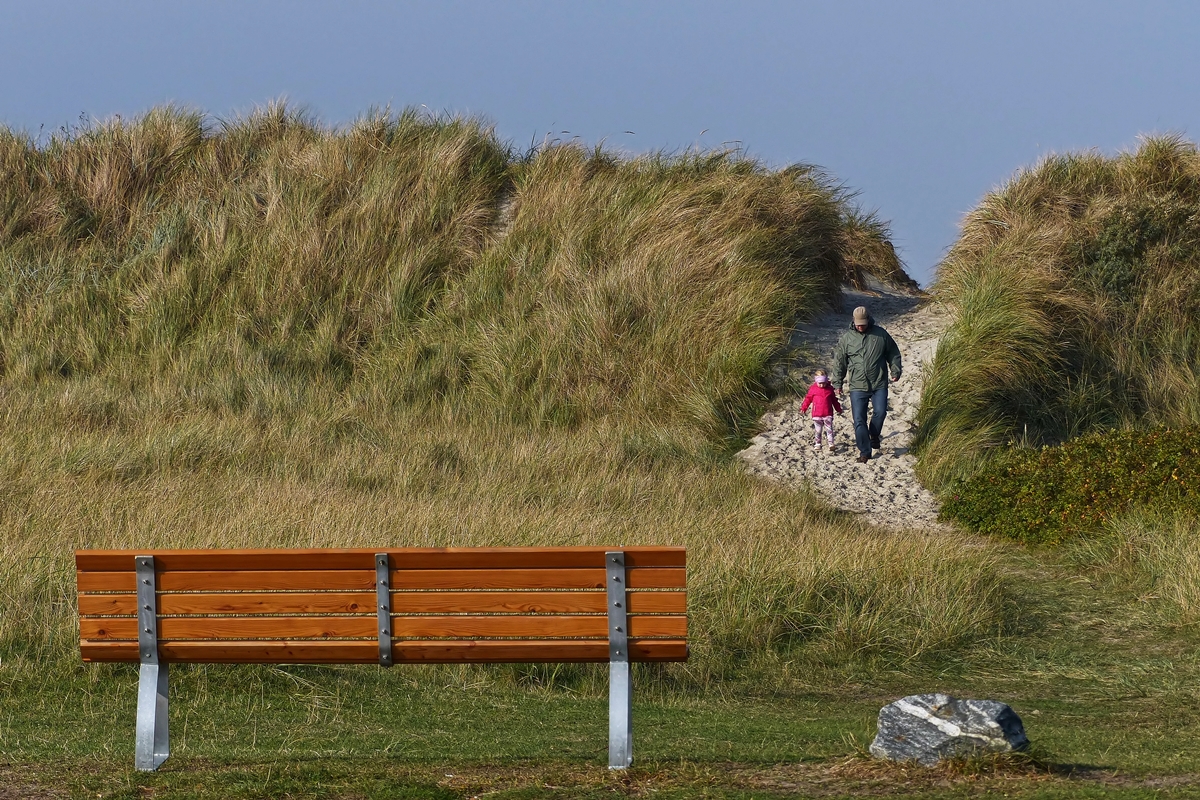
(1046, 495)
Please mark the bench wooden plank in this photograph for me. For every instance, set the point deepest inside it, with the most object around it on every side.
(362, 558)
(462, 602)
(547, 626)
(449, 652)
(92, 605)
(231, 581)
(406, 651)
(169, 581)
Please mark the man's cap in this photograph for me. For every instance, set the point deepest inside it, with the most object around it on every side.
(861, 316)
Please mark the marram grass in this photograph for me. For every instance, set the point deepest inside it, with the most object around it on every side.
(771, 573)
(1153, 554)
(263, 332)
(1075, 293)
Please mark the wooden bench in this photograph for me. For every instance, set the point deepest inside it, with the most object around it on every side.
(415, 605)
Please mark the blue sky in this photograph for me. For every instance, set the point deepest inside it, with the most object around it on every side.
(920, 106)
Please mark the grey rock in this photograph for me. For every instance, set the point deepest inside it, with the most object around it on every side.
(927, 728)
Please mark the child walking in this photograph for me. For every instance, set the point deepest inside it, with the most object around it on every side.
(824, 402)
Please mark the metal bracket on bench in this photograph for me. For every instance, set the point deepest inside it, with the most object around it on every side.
(152, 738)
(620, 700)
(383, 602)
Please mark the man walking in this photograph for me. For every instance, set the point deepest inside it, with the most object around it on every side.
(865, 354)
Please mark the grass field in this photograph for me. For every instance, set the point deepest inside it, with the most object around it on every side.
(266, 333)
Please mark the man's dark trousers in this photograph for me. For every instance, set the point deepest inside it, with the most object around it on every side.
(863, 433)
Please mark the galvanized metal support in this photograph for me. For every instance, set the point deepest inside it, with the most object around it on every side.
(620, 694)
(383, 603)
(152, 738)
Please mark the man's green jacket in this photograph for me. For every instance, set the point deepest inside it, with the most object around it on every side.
(865, 358)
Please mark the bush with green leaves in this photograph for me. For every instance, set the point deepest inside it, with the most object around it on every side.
(1049, 494)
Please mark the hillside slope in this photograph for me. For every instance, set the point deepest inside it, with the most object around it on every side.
(1074, 293)
(417, 260)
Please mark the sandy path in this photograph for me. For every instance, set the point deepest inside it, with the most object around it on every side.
(885, 489)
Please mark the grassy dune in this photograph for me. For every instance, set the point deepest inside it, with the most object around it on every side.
(269, 333)
(1075, 289)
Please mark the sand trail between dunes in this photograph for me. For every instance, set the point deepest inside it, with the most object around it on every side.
(885, 490)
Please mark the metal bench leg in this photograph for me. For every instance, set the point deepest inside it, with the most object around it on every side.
(153, 737)
(620, 694)
(620, 716)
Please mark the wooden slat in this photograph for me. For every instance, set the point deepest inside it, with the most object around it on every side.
(409, 652)
(238, 603)
(94, 605)
(91, 605)
(499, 579)
(644, 578)
(363, 558)
(549, 626)
(233, 628)
(232, 581)
(364, 602)
(341, 652)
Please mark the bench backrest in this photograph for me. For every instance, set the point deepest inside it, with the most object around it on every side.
(391, 606)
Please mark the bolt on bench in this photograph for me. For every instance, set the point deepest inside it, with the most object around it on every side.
(414, 605)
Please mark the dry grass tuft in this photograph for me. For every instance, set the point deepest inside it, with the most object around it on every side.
(1156, 556)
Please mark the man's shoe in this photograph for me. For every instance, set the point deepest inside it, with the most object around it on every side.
(862, 459)
(875, 442)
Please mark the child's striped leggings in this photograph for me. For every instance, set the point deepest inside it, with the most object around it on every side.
(820, 423)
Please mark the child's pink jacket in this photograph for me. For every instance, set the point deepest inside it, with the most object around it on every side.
(822, 399)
